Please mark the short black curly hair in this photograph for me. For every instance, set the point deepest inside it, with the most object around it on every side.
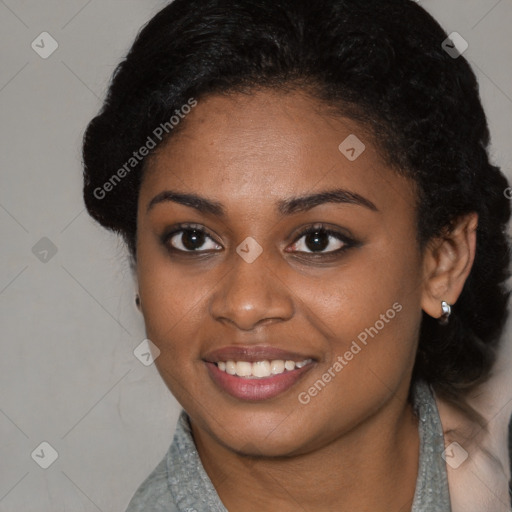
(380, 62)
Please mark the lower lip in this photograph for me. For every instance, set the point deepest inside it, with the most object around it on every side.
(256, 389)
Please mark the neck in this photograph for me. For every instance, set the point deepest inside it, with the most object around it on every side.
(373, 467)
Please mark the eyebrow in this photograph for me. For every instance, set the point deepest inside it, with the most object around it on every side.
(284, 207)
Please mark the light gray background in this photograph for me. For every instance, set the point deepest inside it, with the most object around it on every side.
(68, 374)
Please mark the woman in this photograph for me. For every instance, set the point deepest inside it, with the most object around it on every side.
(319, 243)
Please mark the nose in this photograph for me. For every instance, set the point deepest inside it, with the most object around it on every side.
(251, 294)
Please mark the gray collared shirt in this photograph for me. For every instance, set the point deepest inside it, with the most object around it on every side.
(180, 484)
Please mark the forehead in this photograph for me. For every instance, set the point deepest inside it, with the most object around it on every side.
(247, 148)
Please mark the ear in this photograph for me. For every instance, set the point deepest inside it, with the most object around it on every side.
(446, 264)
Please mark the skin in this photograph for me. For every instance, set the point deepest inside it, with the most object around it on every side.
(356, 442)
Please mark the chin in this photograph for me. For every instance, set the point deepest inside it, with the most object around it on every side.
(267, 434)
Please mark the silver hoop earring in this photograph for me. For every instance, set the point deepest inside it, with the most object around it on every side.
(447, 311)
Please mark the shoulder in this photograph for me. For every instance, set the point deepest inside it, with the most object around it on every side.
(154, 493)
(477, 459)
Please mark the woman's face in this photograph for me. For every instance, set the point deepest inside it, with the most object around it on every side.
(253, 295)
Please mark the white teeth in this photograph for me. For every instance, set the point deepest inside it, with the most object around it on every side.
(289, 365)
(260, 369)
(277, 366)
(231, 367)
(243, 369)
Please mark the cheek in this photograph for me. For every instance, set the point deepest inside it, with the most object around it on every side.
(171, 309)
(171, 299)
(353, 296)
(370, 310)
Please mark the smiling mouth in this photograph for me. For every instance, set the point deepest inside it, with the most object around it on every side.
(258, 380)
(256, 372)
(260, 369)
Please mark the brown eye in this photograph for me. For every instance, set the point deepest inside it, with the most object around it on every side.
(315, 240)
(190, 239)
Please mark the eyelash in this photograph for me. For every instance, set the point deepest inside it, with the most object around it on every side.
(317, 228)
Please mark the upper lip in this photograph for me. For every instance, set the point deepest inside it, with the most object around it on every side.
(253, 354)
